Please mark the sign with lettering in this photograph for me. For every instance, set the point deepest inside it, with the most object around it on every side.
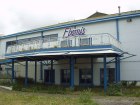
(73, 32)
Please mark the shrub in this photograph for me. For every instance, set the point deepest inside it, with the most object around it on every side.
(133, 84)
(56, 89)
(20, 80)
(129, 84)
(124, 83)
(114, 89)
(17, 87)
(85, 97)
(5, 82)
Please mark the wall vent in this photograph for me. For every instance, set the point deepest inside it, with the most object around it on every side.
(129, 20)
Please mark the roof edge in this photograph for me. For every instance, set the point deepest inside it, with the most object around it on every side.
(73, 23)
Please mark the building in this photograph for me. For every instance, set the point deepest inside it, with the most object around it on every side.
(95, 51)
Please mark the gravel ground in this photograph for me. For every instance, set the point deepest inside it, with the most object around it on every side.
(117, 100)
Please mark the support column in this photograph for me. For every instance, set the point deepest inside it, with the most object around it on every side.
(105, 74)
(51, 73)
(92, 70)
(116, 69)
(51, 64)
(72, 72)
(41, 70)
(13, 74)
(26, 73)
(35, 71)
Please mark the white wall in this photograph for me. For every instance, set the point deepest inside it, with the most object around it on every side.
(130, 36)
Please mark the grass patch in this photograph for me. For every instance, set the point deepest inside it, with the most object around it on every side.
(28, 98)
(86, 98)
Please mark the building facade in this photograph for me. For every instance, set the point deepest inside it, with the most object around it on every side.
(90, 52)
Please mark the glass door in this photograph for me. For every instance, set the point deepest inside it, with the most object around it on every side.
(49, 76)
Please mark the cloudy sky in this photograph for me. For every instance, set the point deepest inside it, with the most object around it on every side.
(21, 15)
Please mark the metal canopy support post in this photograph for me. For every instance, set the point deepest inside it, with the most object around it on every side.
(105, 74)
(116, 69)
(35, 71)
(51, 64)
(92, 70)
(41, 70)
(13, 76)
(26, 73)
(72, 72)
(51, 75)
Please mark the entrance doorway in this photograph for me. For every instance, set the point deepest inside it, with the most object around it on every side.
(85, 77)
(110, 76)
(49, 76)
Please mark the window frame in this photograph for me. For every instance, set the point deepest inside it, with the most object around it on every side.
(67, 77)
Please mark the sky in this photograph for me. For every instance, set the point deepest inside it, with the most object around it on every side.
(22, 15)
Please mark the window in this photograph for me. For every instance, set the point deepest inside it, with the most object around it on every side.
(85, 76)
(48, 38)
(10, 43)
(110, 75)
(85, 41)
(54, 37)
(66, 43)
(65, 76)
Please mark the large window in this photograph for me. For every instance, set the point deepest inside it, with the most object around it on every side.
(85, 76)
(50, 38)
(66, 43)
(11, 43)
(85, 41)
(65, 76)
(110, 75)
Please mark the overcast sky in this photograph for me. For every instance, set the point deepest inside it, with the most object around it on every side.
(21, 15)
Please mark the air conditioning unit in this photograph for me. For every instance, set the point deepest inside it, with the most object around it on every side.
(84, 41)
(129, 20)
(66, 43)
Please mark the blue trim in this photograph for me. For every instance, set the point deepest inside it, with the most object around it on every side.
(6, 61)
(105, 74)
(26, 73)
(67, 50)
(13, 76)
(41, 70)
(117, 29)
(72, 72)
(35, 70)
(82, 22)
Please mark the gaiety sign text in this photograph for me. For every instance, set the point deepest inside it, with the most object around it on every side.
(74, 32)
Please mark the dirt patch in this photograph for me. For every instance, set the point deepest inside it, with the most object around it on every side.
(117, 100)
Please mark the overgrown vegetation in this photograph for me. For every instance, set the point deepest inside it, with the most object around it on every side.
(86, 98)
(28, 98)
(114, 89)
(5, 82)
(120, 89)
(124, 88)
(136, 103)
